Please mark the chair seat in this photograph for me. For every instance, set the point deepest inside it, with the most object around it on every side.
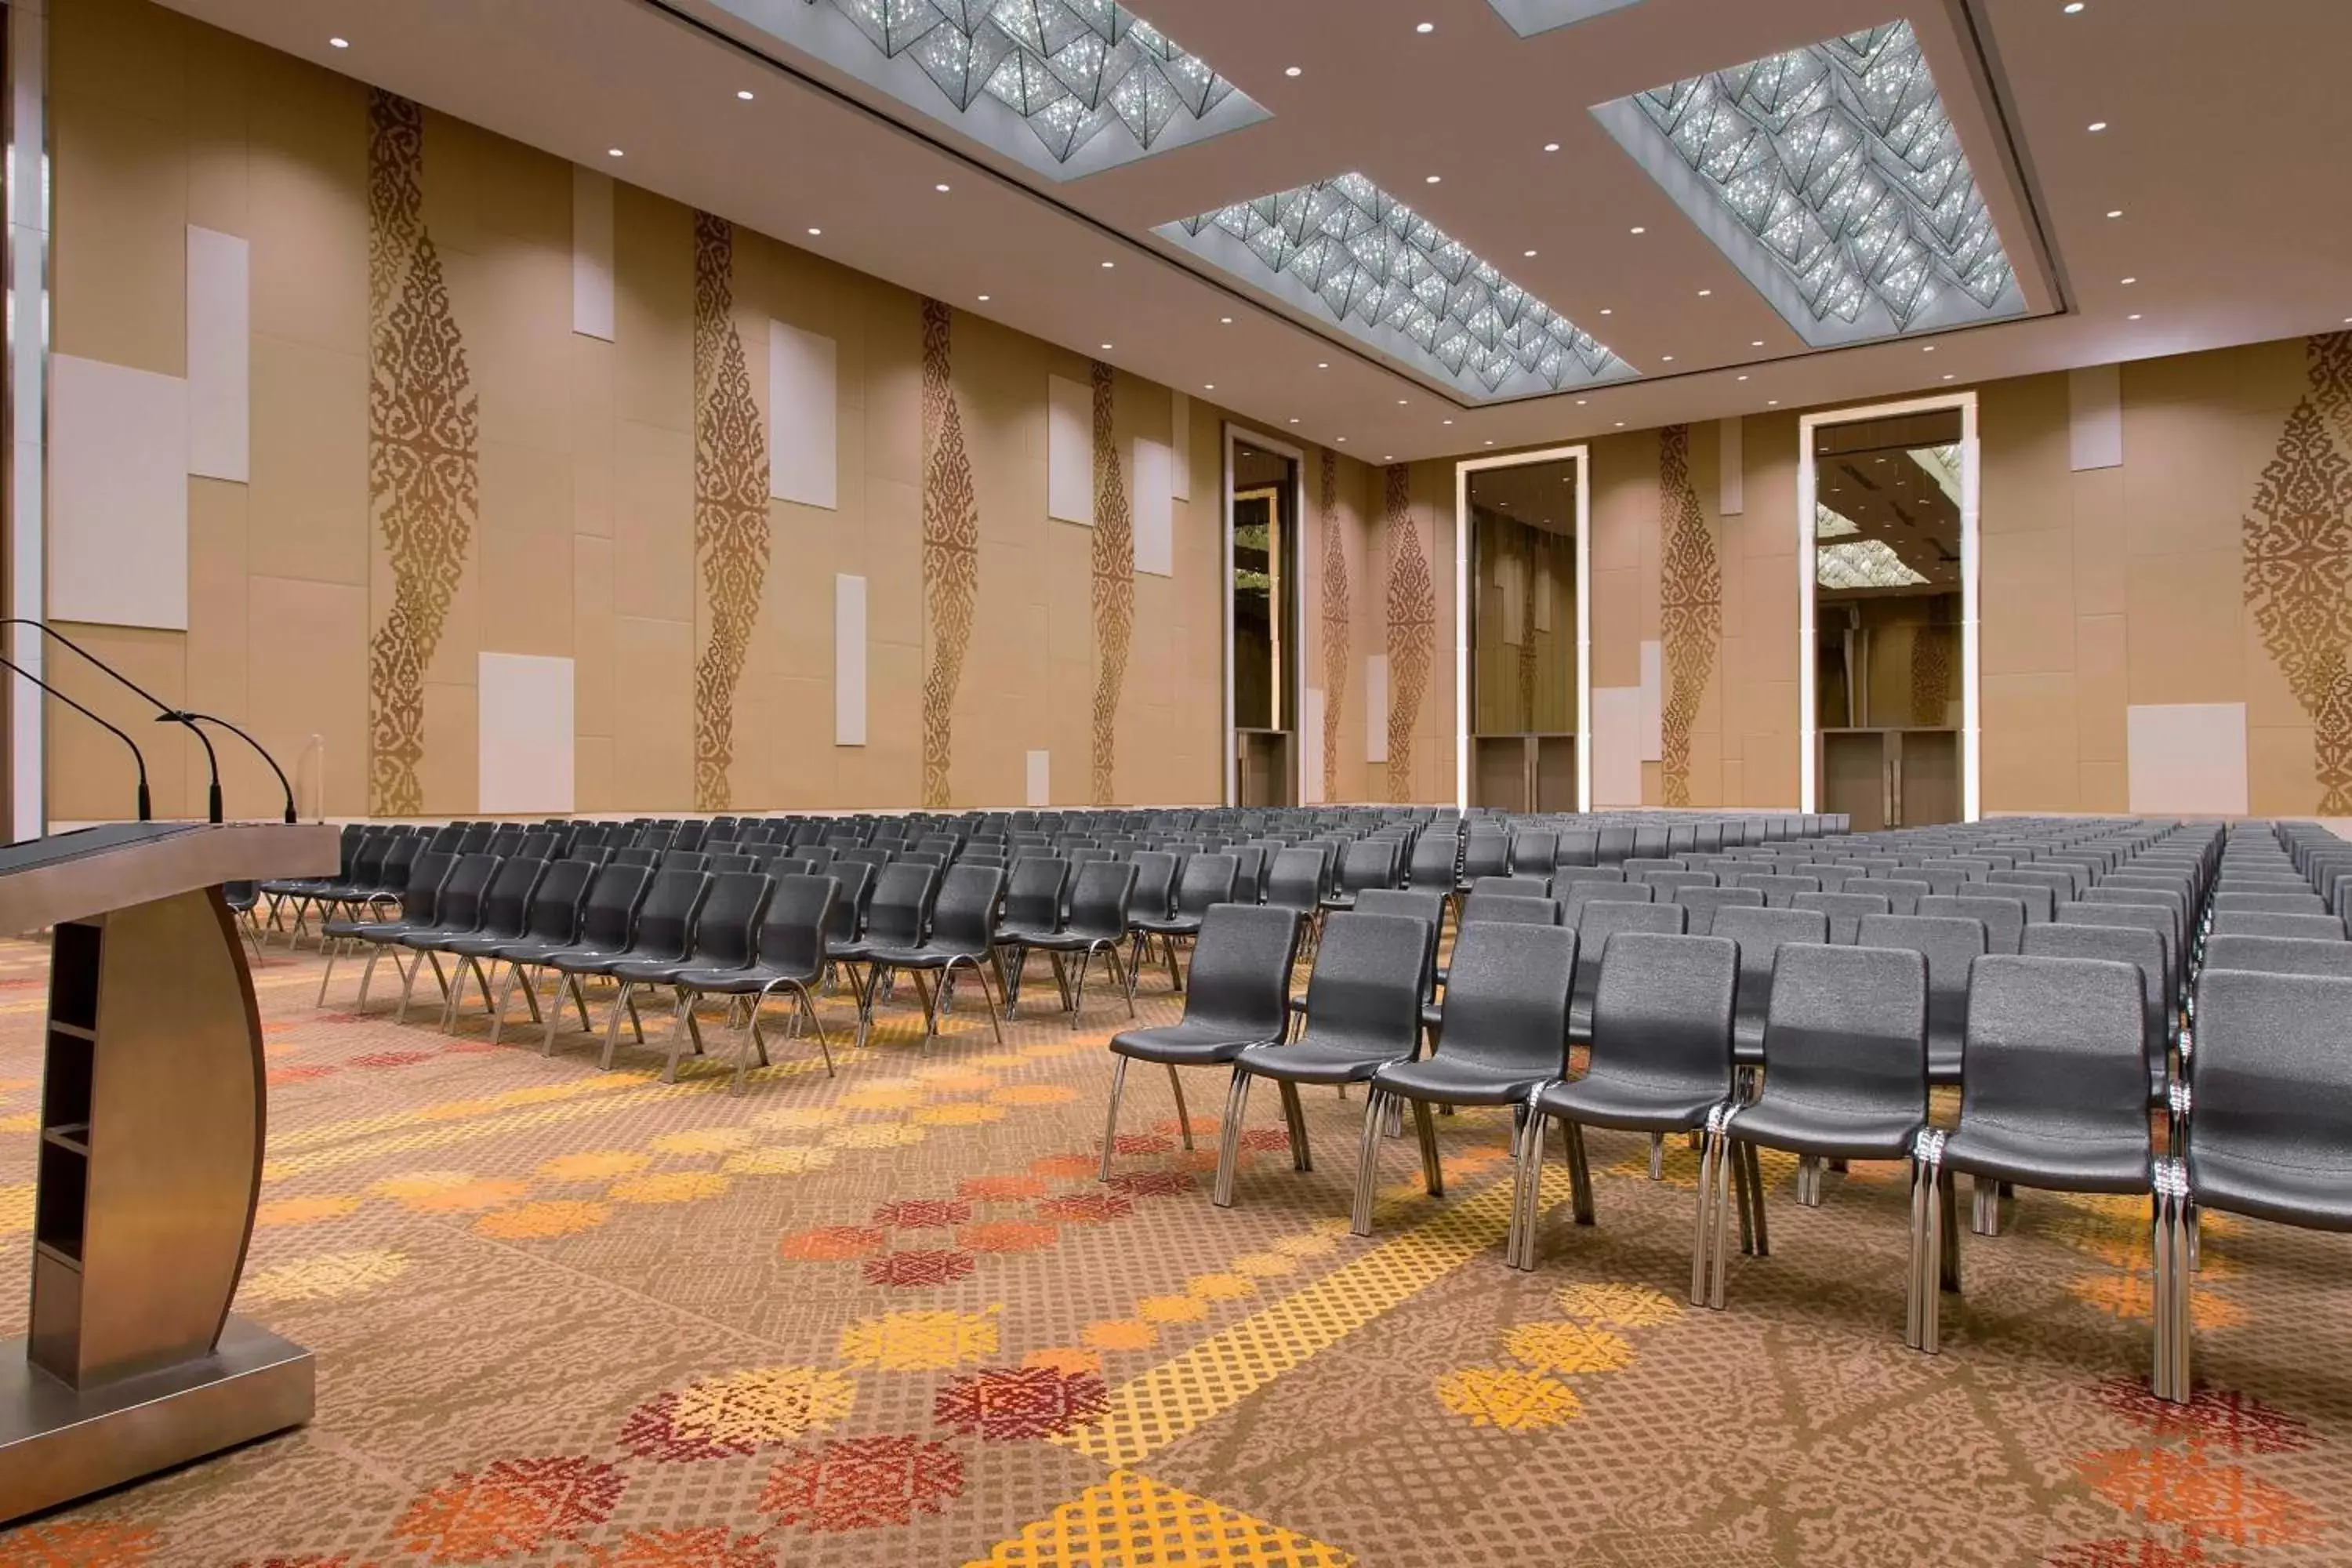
(2319, 1198)
(1067, 942)
(585, 960)
(1321, 1061)
(479, 945)
(927, 956)
(740, 981)
(1832, 1133)
(1186, 1044)
(1631, 1107)
(649, 971)
(1024, 936)
(431, 937)
(1175, 925)
(1446, 1080)
(371, 931)
(2056, 1161)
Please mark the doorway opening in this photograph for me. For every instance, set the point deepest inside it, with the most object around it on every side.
(1521, 678)
(1262, 510)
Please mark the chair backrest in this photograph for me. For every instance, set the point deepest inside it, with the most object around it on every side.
(2278, 956)
(902, 905)
(963, 921)
(1250, 861)
(1704, 903)
(1506, 998)
(2002, 917)
(557, 901)
(2063, 883)
(1597, 922)
(1484, 854)
(1033, 893)
(1648, 839)
(1844, 910)
(1951, 945)
(460, 906)
(2242, 922)
(2251, 903)
(1426, 907)
(1847, 1029)
(1662, 1012)
(1759, 934)
(850, 904)
(1516, 887)
(1155, 885)
(2274, 1082)
(1240, 979)
(1207, 879)
(1365, 992)
(1368, 863)
(474, 838)
(1832, 875)
(725, 930)
(1510, 908)
(1432, 862)
(614, 899)
(2135, 945)
(1099, 899)
(1578, 846)
(1902, 893)
(1535, 849)
(1581, 892)
(793, 935)
(1778, 887)
(506, 908)
(665, 923)
(420, 897)
(1613, 843)
(2056, 1049)
(1295, 882)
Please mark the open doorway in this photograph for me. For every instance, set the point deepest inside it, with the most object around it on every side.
(1262, 510)
(1889, 498)
(1522, 685)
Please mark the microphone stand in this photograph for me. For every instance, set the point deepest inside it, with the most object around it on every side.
(192, 720)
(164, 711)
(146, 812)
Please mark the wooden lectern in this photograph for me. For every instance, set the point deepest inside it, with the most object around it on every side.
(151, 1120)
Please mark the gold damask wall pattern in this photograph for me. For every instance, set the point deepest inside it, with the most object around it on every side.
(1335, 621)
(730, 507)
(1413, 624)
(1114, 588)
(2297, 545)
(424, 448)
(950, 551)
(1931, 674)
(1690, 610)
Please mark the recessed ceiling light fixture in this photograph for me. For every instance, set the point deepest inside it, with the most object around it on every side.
(1582, 400)
(1322, 364)
(1704, 292)
(1771, 402)
(1224, 321)
(1551, 146)
(1620, 425)
(1338, 437)
(744, 93)
(1947, 375)
(1446, 422)
(1488, 443)
(1106, 348)
(1526, 253)
(1291, 70)
(1109, 264)
(1638, 228)
(2135, 316)
(817, 231)
(1431, 179)
(339, 43)
(2129, 281)
(612, 153)
(983, 299)
(942, 187)
(1293, 420)
(2072, 7)
(1666, 359)
(1400, 402)
(2096, 126)
(1425, 26)
(1609, 310)
(1743, 378)
(2114, 212)
(1926, 348)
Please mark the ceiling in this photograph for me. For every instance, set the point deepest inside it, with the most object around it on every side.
(2222, 138)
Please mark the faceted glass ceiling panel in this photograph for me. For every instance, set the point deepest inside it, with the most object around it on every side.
(1529, 17)
(1066, 87)
(1349, 252)
(1862, 563)
(1832, 176)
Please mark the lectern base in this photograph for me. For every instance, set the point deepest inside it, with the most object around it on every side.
(58, 1443)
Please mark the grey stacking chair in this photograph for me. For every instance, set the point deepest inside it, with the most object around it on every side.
(2002, 917)
(1705, 903)
(1845, 912)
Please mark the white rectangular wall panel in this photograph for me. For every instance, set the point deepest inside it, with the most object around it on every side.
(849, 660)
(592, 252)
(1653, 712)
(804, 446)
(1040, 779)
(1069, 451)
(2094, 417)
(220, 355)
(2187, 758)
(1543, 601)
(1180, 437)
(524, 703)
(1376, 708)
(1155, 509)
(1310, 746)
(118, 495)
(1731, 466)
(1616, 746)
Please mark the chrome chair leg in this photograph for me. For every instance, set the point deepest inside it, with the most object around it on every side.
(1110, 1124)
(1424, 1126)
(1657, 1156)
(1229, 1137)
(1808, 1181)
(1752, 1166)
(1580, 1172)
(1294, 1114)
(334, 950)
(1183, 1118)
(1526, 1190)
(613, 1023)
(1368, 1161)
(679, 1017)
(1727, 1181)
(1984, 1206)
(1076, 997)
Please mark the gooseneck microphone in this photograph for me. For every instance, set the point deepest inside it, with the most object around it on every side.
(146, 812)
(192, 720)
(165, 712)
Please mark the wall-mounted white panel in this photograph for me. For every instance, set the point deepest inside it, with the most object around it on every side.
(220, 339)
(1510, 584)
(1180, 437)
(2094, 417)
(804, 448)
(592, 252)
(118, 495)
(1731, 466)
(849, 660)
(524, 702)
(1543, 601)
(2186, 758)
(1155, 525)
(1310, 746)
(1041, 779)
(1376, 708)
(1654, 716)
(1616, 746)
(1069, 451)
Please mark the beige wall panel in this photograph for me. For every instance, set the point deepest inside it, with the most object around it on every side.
(894, 740)
(2105, 786)
(2027, 601)
(307, 217)
(451, 771)
(653, 688)
(653, 312)
(652, 522)
(2270, 700)
(527, 198)
(1616, 628)
(522, 554)
(1769, 751)
(591, 388)
(2102, 688)
(514, 303)
(307, 664)
(893, 376)
(2031, 756)
(1770, 634)
(452, 185)
(2101, 542)
(92, 777)
(888, 551)
(2282, 776)
(2025, 470)
(219, 85)
(119, 56)
(593, 629)
(219, 610)
(592, 774)
(310, 490)
(2190, 472)
(2186, 612)
(121, 213)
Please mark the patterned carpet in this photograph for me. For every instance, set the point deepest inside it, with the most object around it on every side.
(569, 1317)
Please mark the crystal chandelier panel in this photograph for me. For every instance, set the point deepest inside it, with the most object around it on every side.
(1380, 269)
(1840, 163)
(1862, 563)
